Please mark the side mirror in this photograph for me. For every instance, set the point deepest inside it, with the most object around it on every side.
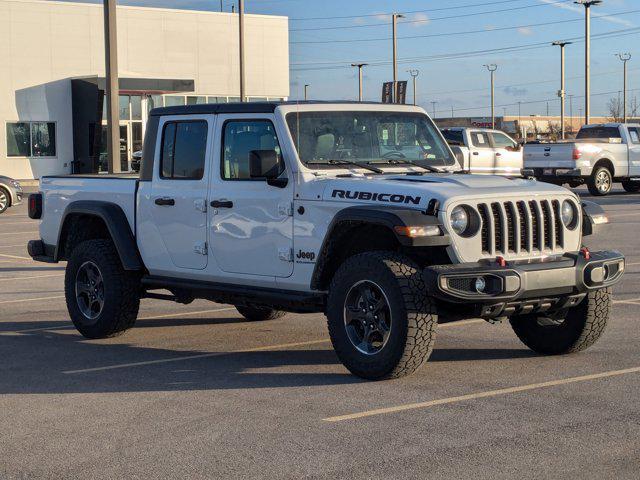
(267, 165)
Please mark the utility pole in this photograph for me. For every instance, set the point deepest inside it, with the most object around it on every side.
(492, 67)
(571, 111)
(547, 109)
(625, 57)
(306, 86)
(243, 97)
(394, 21)
(561, 92)
(433, 108)
(111, 71)
(414, 74)
(359, 65)
(587, 52)
(451, 111)
(221, 5)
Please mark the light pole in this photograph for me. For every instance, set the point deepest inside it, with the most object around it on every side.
(359, 65)
(414, 74)
(625, 57)
(243, 97)
(433, 108)
(492, 67)
(561, 92)
(571, 111)
(111, 71)
(394, 21)
(587, 52)
(306, 85)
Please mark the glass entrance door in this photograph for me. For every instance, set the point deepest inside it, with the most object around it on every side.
(125, 154)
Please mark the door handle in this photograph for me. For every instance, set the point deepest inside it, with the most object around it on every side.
(165, 201)
(498, 154)
(475, 153)
(222, 204)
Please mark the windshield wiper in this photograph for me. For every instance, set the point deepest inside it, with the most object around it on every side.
(346, 162)
(428, 168)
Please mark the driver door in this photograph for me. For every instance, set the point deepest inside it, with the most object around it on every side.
(508, 154)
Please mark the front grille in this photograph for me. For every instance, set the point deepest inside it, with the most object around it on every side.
(520, 227)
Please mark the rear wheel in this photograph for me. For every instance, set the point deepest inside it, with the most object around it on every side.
(5, 200)
(574, 330)
(631, 187)
(259, 314)
(600, 182)
(381, 321)
(102, 298)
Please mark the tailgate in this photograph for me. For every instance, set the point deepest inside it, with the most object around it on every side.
(549, 155)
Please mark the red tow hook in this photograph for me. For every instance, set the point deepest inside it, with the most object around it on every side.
(501, 261)
(584, 251)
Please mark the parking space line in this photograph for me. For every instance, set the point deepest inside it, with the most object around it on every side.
(213, 354)
(33, 276)
(14, 256)
(14, 245)
(615, 215)
(22, 300)
(16, 223)
(18, 233)
(486, 394)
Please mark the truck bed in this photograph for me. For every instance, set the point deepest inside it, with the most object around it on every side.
(60, 191)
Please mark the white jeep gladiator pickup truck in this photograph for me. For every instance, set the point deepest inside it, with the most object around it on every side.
(485, 151)
(350, 209)
(599, 156)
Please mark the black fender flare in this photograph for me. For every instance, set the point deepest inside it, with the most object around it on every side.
(385, 217)
(117, 224)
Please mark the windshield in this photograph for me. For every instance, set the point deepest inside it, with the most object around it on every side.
(367, 137)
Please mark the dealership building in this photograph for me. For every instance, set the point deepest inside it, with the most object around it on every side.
(52, 78)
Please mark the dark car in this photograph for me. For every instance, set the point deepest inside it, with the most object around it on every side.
(136, 158)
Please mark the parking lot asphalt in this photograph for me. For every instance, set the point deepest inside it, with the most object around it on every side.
(196, 392)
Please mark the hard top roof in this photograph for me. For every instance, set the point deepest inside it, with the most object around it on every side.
(246, 107)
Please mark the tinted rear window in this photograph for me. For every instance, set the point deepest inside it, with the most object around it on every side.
(453, 136)
(599, 132)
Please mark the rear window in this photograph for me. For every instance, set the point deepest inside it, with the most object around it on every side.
(599, 132)
(454, 136)
(183, 150)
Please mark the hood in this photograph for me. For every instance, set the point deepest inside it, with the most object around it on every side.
(417, 191)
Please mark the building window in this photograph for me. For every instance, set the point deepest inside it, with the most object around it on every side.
(173, 101)
(184, 145)
(31, 139)
(123, 107)
(196, 100)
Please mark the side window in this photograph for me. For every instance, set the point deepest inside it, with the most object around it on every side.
(242, 139)
(480, 140)
(184, 146)
(502, 141)
(634, 133)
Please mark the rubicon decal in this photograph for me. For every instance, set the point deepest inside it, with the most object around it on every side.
(378, 197)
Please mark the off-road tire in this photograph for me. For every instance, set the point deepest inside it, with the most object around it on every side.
(592, 182)
(631, 187)
(259, 314)
(413, 313)
(121, 290)
(582, 326)
(7, 202)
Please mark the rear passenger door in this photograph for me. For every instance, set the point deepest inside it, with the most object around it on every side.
(481, 156)
(177, 201)
(634, 151)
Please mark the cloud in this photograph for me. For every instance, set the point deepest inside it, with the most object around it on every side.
(514, 91)
(419, 20)
(526, 31)
(489, 27)
(595, 15)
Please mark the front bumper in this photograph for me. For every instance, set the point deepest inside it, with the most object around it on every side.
(523, 286)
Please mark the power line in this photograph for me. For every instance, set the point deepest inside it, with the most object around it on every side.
(487, 12)
(465, 32)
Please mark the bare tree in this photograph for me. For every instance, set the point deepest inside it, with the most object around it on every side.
(634, 107)
(553, 129)
(614, 106)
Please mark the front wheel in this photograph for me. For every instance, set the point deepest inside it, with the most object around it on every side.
(102, 297)
(5, 200)
(574, 330)
(600, 182)
(631, 187)
(381, 322)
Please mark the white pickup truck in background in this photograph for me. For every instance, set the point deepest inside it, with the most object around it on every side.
(482, 150)
(599, 156)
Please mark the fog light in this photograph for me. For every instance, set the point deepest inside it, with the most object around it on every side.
(480, 284)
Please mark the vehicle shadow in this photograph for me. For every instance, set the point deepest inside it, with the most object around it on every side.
(43, 361)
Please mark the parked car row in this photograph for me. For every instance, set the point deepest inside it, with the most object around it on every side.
(10, 193)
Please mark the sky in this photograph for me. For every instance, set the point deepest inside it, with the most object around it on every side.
(449, 42)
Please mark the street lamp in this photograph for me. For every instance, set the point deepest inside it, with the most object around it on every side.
(306, 86)
(394, 21)
(243, 96)
(359, 65)
(492, 67)
(433, 108)
(561, 92)
(414, 74)
(587, 47)
(625, 57)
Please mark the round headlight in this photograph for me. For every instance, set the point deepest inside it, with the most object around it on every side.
(459, 220)
(569, 214)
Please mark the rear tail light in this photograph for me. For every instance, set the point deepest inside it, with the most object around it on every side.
(576, 154)
(35, 205)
